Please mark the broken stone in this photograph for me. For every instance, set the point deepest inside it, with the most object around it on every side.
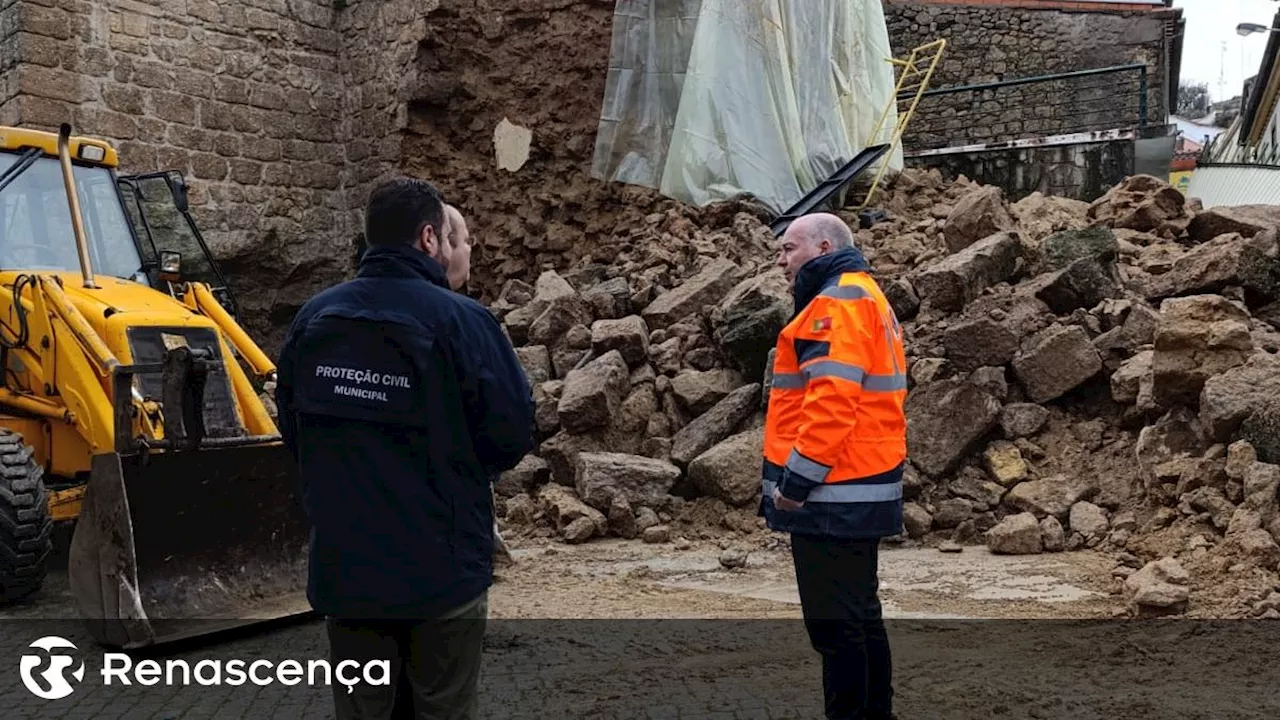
(1159, 584)
(992, 380)
(562, 313)
(916, 520)
(733, 558)
(1052, 536)
(1198, 337)
(1089, 520)
(747, 322)
(609, 299)
(1082, 284)
(927, 370)
(1065, 248)
(1240, 457)
(1016, 535)
(935, 442)
(622, 522)
(1126, 381)
(666, 356)
(902, 298)
(628, 335)
(980, 342)
(546, 399)
(593, 393)
(1227, 399)
(730, 471)
(1022, 419)
(1056, 361)
(1255, 546)
(952, 512)
(1053, 495)
(958, 279)
(529, 473)
(707, 287)
(562, 507)
(1246, 220)
(520, 510)
(698, 391)
(657, 534)
(714, 425)
(646, 518)
(536, 361)
(979, 214)
(1004, 461)
(1144, 203)
(642, 481)
(579, 531)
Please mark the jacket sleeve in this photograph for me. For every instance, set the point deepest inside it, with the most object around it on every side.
(498, 400)
(834, 361)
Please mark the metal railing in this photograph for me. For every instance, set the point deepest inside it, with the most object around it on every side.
(1083, 101)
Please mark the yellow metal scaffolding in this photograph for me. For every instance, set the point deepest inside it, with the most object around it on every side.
(917, 70)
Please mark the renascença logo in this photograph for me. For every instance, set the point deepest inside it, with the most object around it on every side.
(119, 668)
(55, 685)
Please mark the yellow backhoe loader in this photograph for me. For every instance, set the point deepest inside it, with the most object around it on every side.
(130, 406)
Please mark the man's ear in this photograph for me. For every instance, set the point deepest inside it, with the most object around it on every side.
(428, 242)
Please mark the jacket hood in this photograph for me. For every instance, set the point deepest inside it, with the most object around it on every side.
(816, 274)
(400, 261)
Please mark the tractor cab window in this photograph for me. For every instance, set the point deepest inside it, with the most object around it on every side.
(156, 206)
(35, 222)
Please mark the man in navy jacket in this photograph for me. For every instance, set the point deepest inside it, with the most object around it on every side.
(401, 400)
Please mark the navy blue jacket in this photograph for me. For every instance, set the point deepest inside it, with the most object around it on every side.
(401, 401)
(862, 520)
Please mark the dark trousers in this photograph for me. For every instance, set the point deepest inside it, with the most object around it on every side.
(435, 665)
(839, 585)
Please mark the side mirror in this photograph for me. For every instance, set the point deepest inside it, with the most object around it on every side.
(170, 265)
(178, 187)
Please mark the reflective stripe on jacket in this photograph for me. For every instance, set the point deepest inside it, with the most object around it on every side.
(835, 432)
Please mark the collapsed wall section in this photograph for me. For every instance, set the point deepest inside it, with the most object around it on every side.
(541, 66)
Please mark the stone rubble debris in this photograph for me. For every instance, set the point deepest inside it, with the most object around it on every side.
(1081, 375)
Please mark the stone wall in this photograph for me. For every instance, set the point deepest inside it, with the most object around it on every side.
(1083, 171)
(280, 113)
(8, 61)
(992, 41)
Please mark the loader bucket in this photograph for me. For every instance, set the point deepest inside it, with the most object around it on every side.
(176, 544)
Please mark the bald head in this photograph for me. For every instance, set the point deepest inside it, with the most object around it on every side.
(809, 236)
(815, 228)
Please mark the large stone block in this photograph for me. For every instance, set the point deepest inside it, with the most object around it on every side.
(1056, 361)
(707, 287)
(1198, 336)
(958, 279)
(593, 393)
(641, 481)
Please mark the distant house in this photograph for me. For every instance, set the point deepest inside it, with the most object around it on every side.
(1241, 166)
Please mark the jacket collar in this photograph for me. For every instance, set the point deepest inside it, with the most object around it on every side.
(823, 271)
(400, 261)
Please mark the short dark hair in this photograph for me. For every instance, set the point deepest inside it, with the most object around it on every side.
(399, 209)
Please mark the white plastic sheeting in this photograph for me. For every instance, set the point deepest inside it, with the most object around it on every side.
(712, 99)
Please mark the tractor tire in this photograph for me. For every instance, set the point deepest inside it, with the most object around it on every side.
(26, 529)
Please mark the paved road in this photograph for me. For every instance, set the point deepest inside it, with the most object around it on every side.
(739, 669)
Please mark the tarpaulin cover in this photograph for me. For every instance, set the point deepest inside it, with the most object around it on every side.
(712, 99)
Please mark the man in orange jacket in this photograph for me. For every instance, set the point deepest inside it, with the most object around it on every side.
(834, 452)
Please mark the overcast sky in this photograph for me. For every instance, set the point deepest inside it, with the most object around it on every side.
(1210, 23)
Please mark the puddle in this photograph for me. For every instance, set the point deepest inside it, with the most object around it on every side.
(975, 574)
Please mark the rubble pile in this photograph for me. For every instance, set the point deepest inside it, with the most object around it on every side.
(1082, 375)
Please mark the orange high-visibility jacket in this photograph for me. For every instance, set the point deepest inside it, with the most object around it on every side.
(835, 432)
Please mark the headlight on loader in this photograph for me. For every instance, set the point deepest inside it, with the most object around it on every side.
(170, 265)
